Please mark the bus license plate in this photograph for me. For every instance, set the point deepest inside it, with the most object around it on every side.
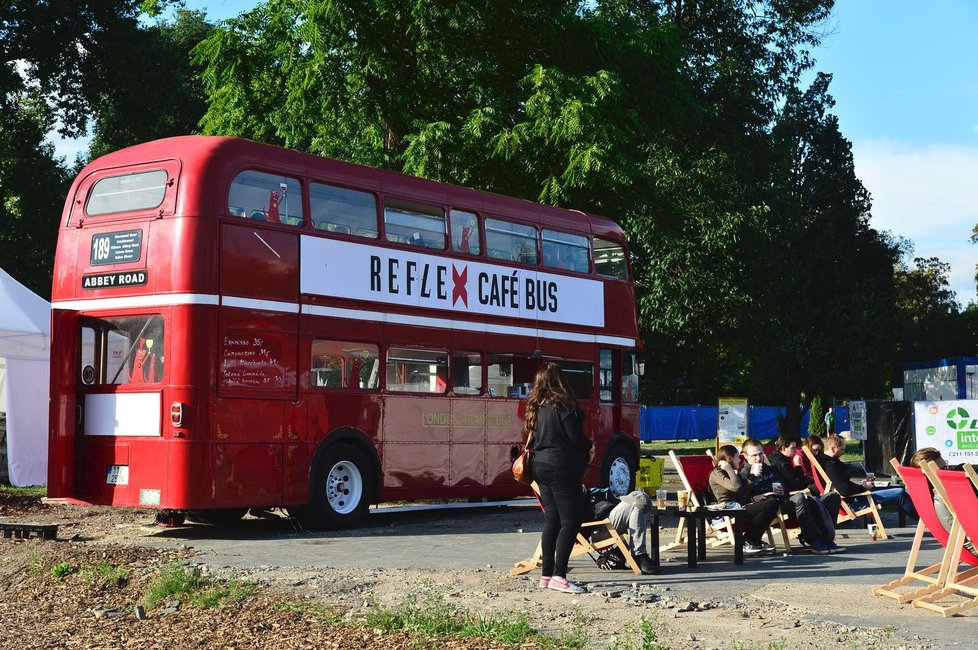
(117, 475)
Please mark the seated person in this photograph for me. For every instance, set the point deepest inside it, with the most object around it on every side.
(631, 516)
(817, 447)
(786, 464)
(758, 474)
(728, 487)
(838, 473)
(943, 514)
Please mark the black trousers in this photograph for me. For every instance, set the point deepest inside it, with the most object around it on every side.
(562, 499)
(761, 515)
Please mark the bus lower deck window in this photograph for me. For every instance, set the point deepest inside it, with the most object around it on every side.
(344, 364)
(411, 370)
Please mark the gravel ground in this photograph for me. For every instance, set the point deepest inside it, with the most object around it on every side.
(39, 610)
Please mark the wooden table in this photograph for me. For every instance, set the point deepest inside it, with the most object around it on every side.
(695, 521)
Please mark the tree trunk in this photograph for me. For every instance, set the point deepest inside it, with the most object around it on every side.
(789, 424)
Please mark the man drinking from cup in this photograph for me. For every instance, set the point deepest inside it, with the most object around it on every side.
(765, 484)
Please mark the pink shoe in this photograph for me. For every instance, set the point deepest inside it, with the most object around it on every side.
(565, 586)
(544, 582)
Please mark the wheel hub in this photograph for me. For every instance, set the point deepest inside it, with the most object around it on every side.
(619, 477)
(344, 487)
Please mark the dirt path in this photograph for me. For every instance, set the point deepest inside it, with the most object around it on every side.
(688, 610)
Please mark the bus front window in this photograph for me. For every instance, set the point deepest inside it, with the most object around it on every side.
(122, 350)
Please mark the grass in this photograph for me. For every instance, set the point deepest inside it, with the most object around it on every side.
(105, 574)
(178, 582)
(317, 609)
(429, 615)
(648, 633)
(39, 491)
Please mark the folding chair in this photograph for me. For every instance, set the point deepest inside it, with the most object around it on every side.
(581, 546)
(935, 576)
(959, 490)
(846, 512)
(694, 472)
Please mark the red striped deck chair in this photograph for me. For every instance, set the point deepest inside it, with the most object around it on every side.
(958, 488)
(933, 577)
(846, 511)
(694, 472)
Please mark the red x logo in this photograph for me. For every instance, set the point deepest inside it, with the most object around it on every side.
(459, 290)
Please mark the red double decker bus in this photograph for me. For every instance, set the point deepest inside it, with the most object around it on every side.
(238, 325)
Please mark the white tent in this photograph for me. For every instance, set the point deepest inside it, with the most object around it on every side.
(25, 345)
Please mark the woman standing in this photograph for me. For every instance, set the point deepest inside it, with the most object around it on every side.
(560, 457)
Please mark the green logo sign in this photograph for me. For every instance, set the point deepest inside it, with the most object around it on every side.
(931, 430)
(958, 418)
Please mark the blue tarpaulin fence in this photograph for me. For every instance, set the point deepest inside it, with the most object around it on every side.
(700, 422)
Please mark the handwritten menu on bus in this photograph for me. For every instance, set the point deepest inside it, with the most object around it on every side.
(251, 360)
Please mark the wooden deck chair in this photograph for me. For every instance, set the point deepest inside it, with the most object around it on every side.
(959, 490)
(694, 472)
(582, 545)
(846, 511)
(934, 576)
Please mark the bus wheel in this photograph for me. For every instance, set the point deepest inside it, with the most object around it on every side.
(217, 516)
(618, 470)
(340, 492)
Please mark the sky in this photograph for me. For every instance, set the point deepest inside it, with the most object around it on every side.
(906, 89)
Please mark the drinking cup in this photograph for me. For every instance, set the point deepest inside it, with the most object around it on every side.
(872, 531)
(757, 469)
(682, 497)
(660, 498)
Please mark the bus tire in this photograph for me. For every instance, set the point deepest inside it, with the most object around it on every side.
(217, 516)
(618, 469)
(339, 495)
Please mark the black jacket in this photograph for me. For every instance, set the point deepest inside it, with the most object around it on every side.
(839, 475)
(791, 477)
(560, 441)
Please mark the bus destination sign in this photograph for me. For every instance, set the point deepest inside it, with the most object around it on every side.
(113, 280)
(116, 247)
(363, 272)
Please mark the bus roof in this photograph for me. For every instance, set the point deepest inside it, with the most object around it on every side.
(209, 158)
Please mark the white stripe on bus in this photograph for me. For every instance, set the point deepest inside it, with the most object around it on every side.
(167, 300)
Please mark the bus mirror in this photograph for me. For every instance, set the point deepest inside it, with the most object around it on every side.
(640, 366)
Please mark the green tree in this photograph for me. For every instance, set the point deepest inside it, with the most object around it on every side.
(931, 323)
(154, 91)
(816, 418)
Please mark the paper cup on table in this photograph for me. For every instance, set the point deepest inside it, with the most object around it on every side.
(682, 497)
(660, 498)
(872, 531)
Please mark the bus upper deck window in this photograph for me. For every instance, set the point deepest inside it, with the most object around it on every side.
(266, 197)
(337, 209)
(609, 259)
(515, 242)
(563, 250)
(127, 193)
(465, 232)
(418, 225)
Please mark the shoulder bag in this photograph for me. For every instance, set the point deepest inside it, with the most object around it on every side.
(522, 466)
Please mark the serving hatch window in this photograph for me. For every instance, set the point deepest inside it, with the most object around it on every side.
(411, 370)
(266, 197)
(127, 193)
(122, 350)
(344, 364)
